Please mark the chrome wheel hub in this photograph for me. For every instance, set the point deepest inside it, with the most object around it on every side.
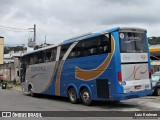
(86, 96)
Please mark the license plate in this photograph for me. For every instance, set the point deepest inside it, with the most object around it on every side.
(138, 87)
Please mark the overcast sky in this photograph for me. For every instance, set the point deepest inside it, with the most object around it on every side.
(62, 19)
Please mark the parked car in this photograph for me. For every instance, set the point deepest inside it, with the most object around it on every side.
(155, 81)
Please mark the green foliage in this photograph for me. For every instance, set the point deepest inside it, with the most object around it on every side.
(15, 49)
(154, 40)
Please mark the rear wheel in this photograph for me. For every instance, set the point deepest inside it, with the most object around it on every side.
(72, 95)
(86, 97)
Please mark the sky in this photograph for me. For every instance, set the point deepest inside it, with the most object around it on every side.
(59, 20)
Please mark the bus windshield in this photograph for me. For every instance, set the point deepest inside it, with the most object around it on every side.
(132, 42)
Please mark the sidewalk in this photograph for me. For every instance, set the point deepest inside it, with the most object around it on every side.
(17, 88)
(13, 87)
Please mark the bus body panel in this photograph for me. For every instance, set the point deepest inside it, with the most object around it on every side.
(40, 76)
(68, 73)
(55, 78)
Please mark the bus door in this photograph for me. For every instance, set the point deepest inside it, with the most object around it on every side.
(22, 72)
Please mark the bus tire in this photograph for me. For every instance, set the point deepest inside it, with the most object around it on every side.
(31, 93)
(72, 95)
(86, 97)
(157, 91)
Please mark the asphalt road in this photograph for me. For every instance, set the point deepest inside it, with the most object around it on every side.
(16, 101)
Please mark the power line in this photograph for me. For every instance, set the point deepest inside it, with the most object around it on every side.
(12, 28)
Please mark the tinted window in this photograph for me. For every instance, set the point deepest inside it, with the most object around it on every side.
(92, 46)
(104, 44)
(47, 55)
(50, 55)
(132, 42)
(64, 49)
(40, 57)
(53, 54)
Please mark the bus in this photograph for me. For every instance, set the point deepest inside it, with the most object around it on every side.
(110, 65)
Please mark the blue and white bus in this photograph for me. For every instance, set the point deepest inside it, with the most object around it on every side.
(111, 65)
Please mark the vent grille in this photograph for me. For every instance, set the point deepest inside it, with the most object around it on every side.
(102, 88)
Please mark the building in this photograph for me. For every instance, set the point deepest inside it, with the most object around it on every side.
(1, 49)
(155, 57)
(11, 65)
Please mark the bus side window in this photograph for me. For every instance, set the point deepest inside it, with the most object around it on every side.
(86, 51)
(93, 51)
(104, 44)
(76, 51)
(35, 59)
(53, 54)
(73, 53)
(79, 49)
(47, 55)
(64, 49)
(40, 57)
(90, 46)
(31, 60)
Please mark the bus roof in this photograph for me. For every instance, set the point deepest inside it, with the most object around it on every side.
(41, 49)
(93, 34)
(88, 35)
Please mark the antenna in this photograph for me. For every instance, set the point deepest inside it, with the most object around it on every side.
(45, 40)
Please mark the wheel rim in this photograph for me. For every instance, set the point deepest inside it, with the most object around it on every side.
(72, 95)
(86, 96)
(31, 92)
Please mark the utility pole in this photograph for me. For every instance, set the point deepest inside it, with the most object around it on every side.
(34, 32)
(32, 42)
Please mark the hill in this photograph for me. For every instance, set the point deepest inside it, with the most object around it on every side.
(154, 40)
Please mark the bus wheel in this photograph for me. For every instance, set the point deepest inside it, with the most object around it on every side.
(86, 97)
(158, 91)
(72, 96)
(31, 93)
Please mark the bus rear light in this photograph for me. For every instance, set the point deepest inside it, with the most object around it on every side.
(150, 73)
(119, 77)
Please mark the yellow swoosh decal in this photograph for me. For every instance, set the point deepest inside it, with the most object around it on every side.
(94, 73)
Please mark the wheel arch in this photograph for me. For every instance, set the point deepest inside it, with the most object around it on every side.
(30, 85)
(72, 86)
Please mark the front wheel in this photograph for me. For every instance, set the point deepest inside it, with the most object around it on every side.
(158, 91)
(31, 93)
(86, 97)
(72, 95)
